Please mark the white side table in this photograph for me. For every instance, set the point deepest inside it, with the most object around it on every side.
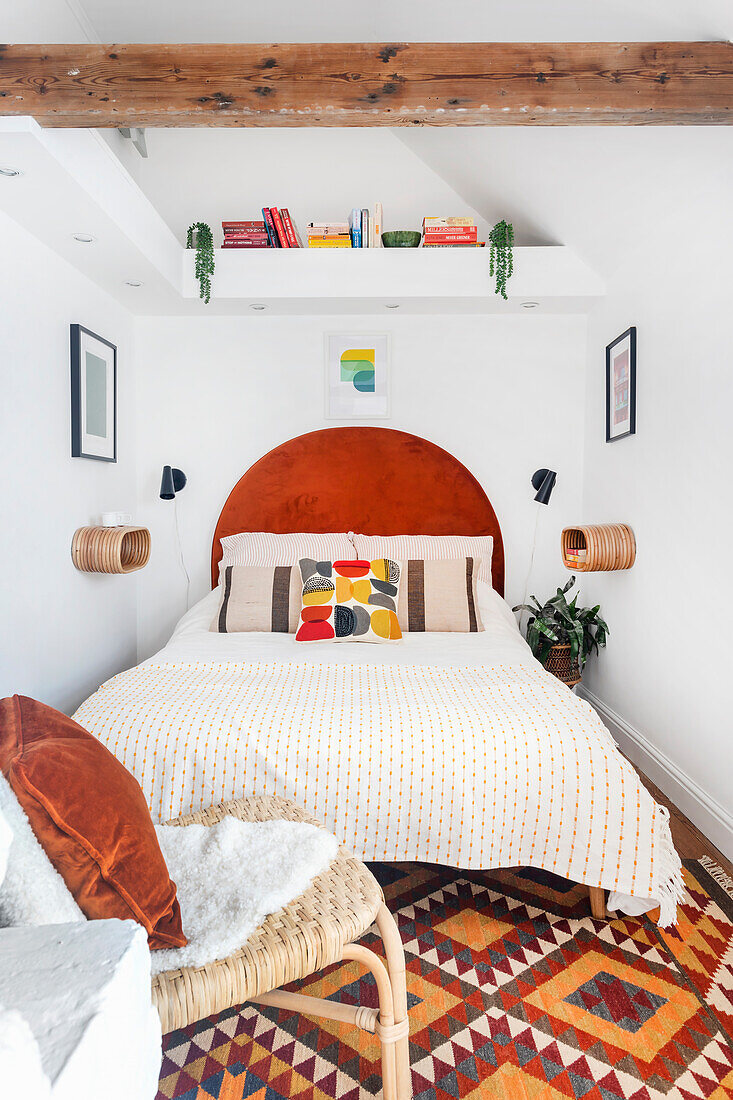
(84, 991)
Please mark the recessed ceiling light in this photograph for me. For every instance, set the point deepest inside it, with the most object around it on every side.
(83, 238)
(530, 305)
(134, 282)
(9, 172)
(258, 306)
(391, 305)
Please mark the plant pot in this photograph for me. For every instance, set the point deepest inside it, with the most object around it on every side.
(560, 664)
(401, 238)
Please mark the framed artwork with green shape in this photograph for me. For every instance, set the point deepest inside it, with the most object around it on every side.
(357, 376)
(93, 396)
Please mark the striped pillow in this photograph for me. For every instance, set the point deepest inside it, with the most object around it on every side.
(258, 598)
(439, 596)
(429, 548)
(268, 548)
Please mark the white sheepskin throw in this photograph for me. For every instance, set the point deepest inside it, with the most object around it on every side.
(6, 839)
(232, 875)
(21, 1072)
(32, 891)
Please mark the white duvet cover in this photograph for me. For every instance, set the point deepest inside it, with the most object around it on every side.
(446, 748)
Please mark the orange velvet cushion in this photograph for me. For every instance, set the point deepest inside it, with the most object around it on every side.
(90, 816)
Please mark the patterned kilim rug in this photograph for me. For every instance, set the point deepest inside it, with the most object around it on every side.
(506, 1000)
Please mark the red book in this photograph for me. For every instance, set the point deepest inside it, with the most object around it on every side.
(243, 225)
(289, 228)
(284, 242)
(270, 224)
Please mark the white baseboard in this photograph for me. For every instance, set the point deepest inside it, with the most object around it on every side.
(712, 819)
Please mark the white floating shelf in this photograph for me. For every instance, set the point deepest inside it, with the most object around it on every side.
(73, 182)
(420, 280)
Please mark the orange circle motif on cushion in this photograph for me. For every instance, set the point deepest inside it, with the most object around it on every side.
(317, 613)
(385, 624)
(314, 632)
(319, 596)
(380, 567)
(344, 589)
(351, 568)
(362, 590)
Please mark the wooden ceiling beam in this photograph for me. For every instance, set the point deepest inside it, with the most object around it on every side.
(370, 84)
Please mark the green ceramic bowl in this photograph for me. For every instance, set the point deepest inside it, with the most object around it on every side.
(401, 238)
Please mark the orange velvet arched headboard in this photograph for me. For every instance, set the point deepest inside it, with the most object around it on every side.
(376, 481)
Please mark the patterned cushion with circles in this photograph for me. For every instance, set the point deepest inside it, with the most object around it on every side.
(349, 601)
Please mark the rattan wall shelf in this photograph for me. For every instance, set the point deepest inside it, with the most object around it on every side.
(110, 549)
(606, 546)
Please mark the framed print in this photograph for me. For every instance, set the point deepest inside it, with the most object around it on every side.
(357, 376)
(93, 396)
(621, 386)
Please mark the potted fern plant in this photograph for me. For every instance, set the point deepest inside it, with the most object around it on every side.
(562, 635)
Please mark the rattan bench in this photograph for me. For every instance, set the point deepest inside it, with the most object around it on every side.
(315, 930)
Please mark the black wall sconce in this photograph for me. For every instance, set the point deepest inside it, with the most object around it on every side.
(544, 482)
(172, 482)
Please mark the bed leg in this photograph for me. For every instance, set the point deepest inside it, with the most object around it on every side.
(597, 902)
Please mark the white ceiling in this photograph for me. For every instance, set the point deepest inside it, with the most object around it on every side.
(378, 20)
(359, 21)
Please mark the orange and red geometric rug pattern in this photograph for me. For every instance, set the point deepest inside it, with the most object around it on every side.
(514, 991)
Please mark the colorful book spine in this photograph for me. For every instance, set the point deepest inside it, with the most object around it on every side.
(289, 228)
(459, 244)
(243, 225)
(355, 221)
(364, 228)
(378, 223)
(451, 234)
(280, 228)
(270, 226)
(298, 240)
(328, 232)
(331, 242)
(440, 222)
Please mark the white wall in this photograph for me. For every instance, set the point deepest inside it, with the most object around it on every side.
(61, 631)
(505, 395)
(668, 665)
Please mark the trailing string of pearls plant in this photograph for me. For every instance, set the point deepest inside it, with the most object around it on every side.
(501, 256)
(204, 246)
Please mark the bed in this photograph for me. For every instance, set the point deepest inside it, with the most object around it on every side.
(444, 748)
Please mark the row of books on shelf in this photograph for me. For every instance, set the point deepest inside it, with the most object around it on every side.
(362, 230)
(277, 229)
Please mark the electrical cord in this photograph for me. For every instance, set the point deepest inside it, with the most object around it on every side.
(180, 553)
(531, 560)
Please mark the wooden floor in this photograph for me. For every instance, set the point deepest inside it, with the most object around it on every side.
(688, 840)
